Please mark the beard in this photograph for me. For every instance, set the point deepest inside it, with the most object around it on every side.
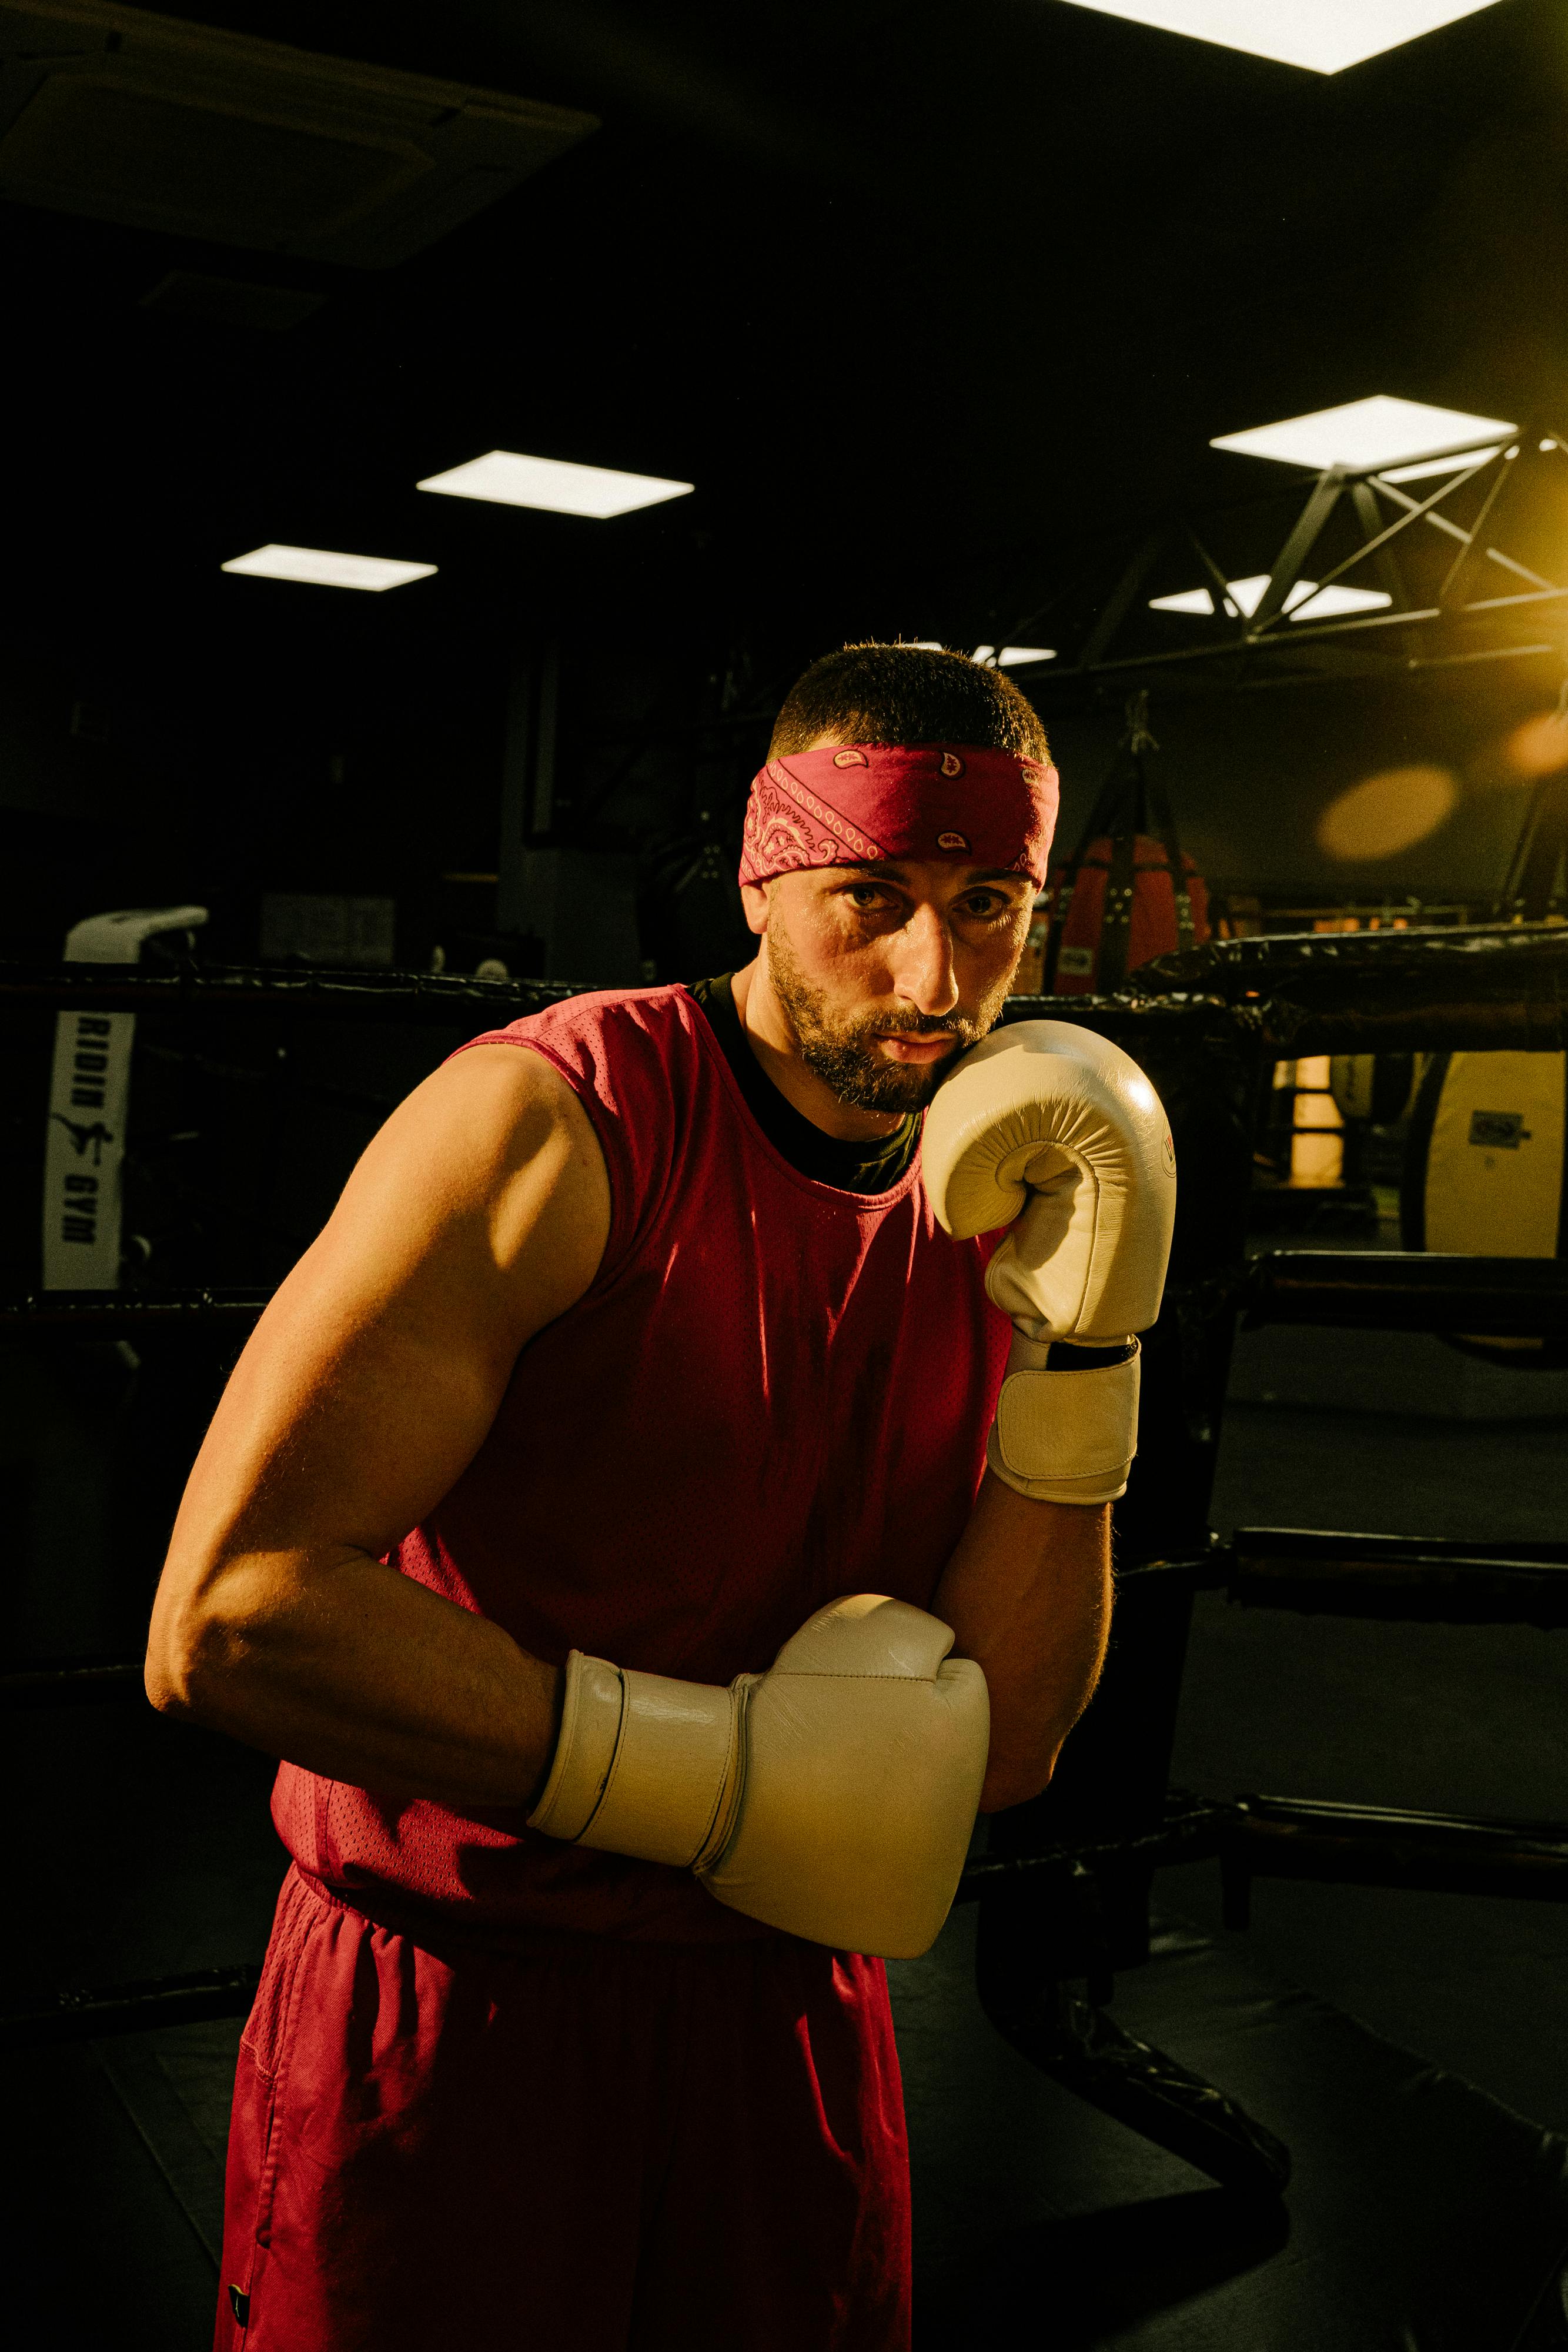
(840, 1048)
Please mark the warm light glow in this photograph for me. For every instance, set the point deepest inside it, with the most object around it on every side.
(1377, 431)
(1386, 812)
(552, 485)
(323, 569)
(1317, 1158)
(1306, 599)
(1325, 35)
(1539, 747)
(1317, 1142)
(1013, 656)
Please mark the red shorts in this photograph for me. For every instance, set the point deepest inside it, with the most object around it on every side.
(597, 2145)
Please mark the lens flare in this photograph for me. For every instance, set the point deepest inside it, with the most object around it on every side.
(1538, 747)
(1386, 812)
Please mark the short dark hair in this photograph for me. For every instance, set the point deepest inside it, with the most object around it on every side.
(875, 693)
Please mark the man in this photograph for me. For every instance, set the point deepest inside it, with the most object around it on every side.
(637, 1317)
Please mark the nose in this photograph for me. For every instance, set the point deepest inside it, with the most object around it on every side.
(923, 975)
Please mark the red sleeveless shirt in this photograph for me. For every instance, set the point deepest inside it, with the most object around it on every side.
(773, 1393)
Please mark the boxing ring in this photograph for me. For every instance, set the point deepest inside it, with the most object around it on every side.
(1062, 1890)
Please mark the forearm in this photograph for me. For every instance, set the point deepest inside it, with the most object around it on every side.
(347, 1667)
(1028, 1595)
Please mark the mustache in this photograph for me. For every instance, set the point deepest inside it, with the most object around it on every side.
(917, 1025)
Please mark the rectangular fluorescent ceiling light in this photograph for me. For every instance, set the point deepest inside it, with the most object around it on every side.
(1306, 599)
(1366, 434)
(553, 486)
(1013, 656)
(1324, 36)
(324, 568)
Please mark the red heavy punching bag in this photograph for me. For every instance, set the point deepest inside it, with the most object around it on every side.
(1128, 892)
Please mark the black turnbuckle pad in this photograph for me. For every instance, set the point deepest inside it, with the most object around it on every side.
(1088, 2054)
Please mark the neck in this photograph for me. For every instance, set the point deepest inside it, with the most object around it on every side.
(773, 1042)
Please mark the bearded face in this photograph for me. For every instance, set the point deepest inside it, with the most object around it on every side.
(842, 1043)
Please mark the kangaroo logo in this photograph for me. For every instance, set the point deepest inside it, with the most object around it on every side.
(97, 1135)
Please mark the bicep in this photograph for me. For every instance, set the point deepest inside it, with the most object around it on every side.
(478, 1215)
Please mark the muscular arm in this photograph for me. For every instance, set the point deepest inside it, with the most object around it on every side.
(478, 1215)
(1028, 1595)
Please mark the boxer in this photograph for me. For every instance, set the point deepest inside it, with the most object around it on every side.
(599, 1526)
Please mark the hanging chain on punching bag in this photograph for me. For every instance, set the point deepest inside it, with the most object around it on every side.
(1164, 824)
(1132, 803)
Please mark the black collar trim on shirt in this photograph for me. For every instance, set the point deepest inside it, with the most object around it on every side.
(825, 1158)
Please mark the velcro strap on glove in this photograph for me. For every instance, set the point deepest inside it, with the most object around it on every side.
(1065, 1436)
(644, 1764)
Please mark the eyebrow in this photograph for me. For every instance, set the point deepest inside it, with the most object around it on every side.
(888, 872)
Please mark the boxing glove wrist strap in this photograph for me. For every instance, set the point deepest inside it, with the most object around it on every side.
(1066, 1435)
(644, 1764)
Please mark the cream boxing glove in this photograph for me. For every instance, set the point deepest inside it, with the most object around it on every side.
(832, 1797)
(1054, 1132)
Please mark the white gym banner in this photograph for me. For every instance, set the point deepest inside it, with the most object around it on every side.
(89, 1100)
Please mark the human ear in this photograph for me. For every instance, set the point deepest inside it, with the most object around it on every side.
(756, 901)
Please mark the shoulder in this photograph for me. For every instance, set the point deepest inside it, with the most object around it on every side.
(486, 1183)
(623, 1067)
(629, 1055)
(490, 1124)
(607, 1027)
(489, 1086)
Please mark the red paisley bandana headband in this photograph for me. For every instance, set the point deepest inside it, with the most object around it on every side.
(862, 803)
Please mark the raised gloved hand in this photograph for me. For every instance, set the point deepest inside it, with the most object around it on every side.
(833, 1796)
(1054, 1132)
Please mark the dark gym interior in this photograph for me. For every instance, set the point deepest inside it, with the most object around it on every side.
(909, 324)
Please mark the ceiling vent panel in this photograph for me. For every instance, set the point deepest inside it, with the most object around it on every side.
(155, 125)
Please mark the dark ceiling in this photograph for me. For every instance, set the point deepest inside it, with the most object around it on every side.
(918, 295)
(935, 305)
